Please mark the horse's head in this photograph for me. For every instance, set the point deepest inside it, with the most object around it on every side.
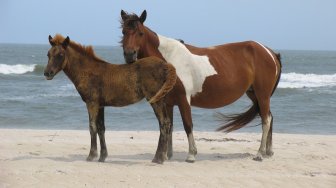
(56, 56)
(133, 32)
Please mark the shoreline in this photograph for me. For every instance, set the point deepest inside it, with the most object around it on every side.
(55, 158)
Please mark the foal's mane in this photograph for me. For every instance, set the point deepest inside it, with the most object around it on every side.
(82, 49)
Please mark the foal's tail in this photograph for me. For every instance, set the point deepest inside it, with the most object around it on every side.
(237, 121)
(167, 85)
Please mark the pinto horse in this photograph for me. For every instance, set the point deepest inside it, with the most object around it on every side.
(103, 84)
(210, 77)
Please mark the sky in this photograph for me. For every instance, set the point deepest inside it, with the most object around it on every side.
(281, 24)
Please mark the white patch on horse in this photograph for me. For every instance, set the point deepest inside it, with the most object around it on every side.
(212, 47)
(270, 53)
(190, 68)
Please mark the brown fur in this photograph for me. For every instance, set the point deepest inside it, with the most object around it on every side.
(102, 84)
(167, 86)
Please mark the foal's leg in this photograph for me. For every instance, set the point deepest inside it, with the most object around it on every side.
(101, 133)
(185, 111)
(266, 117)
(170, 111)
(93, 113)
(165, 124)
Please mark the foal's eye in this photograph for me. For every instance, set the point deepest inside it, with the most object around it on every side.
(59, 56)
(141, 34)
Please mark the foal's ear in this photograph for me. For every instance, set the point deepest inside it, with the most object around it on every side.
(66, 42)
(123, 15)
(143, 16)
(50, 41)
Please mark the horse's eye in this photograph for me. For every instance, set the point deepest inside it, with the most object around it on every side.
(123, 32)
(141, 34)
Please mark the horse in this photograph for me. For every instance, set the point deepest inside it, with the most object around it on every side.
(101, 84)
(210, 77)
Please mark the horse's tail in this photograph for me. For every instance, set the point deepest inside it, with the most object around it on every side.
(278, 56)
(167, 85)
(237, 121)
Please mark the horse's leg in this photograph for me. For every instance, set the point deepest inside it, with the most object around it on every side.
(269, 149)
(185, 111)
(93, 113)
(266, 117)
(164, 122)
(101, 133)
(170, 111)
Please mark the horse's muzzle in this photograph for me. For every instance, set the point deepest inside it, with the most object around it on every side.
(130, 56)
(49, 75)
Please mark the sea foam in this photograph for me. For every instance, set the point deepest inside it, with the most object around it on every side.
(298, 80)
(16, 69)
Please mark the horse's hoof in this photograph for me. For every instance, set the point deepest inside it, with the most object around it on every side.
(190, 159)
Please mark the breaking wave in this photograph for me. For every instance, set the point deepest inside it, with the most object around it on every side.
(21, 69)
(297, 80)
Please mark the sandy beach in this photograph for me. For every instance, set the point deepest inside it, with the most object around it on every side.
(56, 158)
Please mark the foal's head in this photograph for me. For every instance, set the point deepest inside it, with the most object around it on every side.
(56, 56)
(133, 34)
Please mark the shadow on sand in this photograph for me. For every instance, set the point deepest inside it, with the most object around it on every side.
(141, 158)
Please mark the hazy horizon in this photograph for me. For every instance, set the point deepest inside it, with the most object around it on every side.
(285, 25)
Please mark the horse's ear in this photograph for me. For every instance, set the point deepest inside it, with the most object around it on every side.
(143, 16)
(50, 41)
(123, 15)
(66, 42)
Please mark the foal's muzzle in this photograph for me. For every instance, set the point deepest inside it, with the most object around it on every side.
(130, 56)
(49, 75)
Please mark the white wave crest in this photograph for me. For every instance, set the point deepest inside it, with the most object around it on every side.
(16, 69)
(297, 80)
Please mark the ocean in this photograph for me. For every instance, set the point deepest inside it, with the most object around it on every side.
(304, 102)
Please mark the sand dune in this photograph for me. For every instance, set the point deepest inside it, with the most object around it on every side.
(45, 158)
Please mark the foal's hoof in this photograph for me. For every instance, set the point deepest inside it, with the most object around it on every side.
(269, 153)
(91, 156)
(158, 161)
(101, 159)
(258, 158)
(103, 156)
(169, 155)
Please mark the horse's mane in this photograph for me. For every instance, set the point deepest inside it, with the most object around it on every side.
(130, 21)
(82, 49)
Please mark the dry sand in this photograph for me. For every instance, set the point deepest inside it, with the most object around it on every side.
(38, 158)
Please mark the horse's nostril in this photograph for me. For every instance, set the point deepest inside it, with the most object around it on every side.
(134, 52)
(46, 74)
